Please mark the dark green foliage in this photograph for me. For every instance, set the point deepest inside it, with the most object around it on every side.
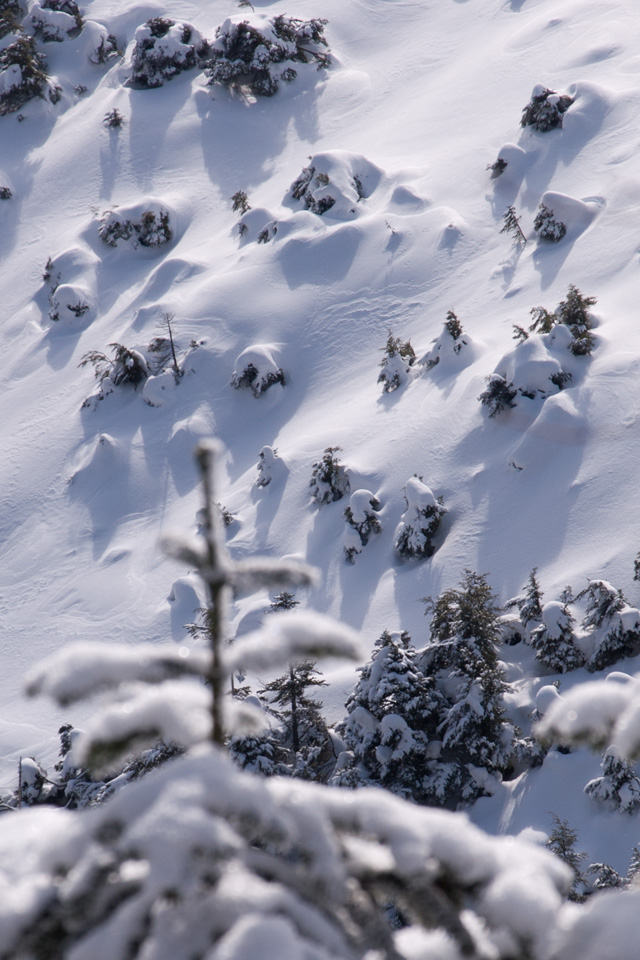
(113, 118)
(11, 14)
(152, 230)
(531, 606)
(545, 110)
(562, 841)
(499, 395)
(454, 327)
(5, 193)
(22, 53)
(240, 202)
(497, 167)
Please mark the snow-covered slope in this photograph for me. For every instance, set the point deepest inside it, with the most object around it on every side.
(420, 98)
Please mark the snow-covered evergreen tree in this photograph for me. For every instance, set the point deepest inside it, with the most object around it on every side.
(462, 657)
(329, 480)
(266, 462)
(499, 395)
(554, 640)
(562, 842)
(529, 604)
(362, 520)
(613, 624)
(391, 712)
(619, 786)
(545, 109)
(547, 226)
(420, 522)
(398, 358)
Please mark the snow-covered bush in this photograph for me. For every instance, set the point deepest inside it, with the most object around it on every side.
(5, 193)
(612, 623)
(100, 46)
(23, 75)
(126, 367)
(146, 227)
(329, 480)
(498, 395)
(71, 303)
(362, 520)
(255, 55)
(574, 313)
(163, 49)
(11, 13)
(334, 180)
(451, 341)
(619, 786)
(420, 521)
(55, 20)
(113, 118)
(257, 369)
(546, 109)
(554, 640)
(547, 226)
(398, 357)
(266, 462)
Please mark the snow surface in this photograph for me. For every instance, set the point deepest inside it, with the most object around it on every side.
(429, 93)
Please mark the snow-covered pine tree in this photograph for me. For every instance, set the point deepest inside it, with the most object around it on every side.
(391, 714)
(545, 109)
(619, 786)
(303, 745)
(329, 480)
(613, 624)
(528, 604)
(398, 357)
(547, 226)
(511, 224)
(362, 520)
(554, 640)
(562, 842)
(420, 522)
(462, 658)
(499, 394)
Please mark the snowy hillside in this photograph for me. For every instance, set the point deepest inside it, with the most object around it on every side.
(110, 228)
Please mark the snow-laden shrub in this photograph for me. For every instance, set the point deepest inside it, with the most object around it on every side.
(257, 369)
(547, 226)
(329, 480)
(127, 366)
(449, 343)
(145, 227)
(55, 20)
(5, 193)
(619, 786)
(398, 357)
(100, 46)
(23, 75)
(554, 640)
(545, 109)
(254, 55)
(163, 49)
(419, 523)
(72, 304)
(362, 520)
(612, 624)
(334, 180)
(499, 394)
(267, 461)
(574, 313)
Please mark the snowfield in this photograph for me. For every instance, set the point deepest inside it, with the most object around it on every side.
(110, 229)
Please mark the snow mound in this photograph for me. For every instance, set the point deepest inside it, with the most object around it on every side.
(72, 305)
(558, 427)
(258, 368)
(334, 183)
(575, 214)
(150, 223)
